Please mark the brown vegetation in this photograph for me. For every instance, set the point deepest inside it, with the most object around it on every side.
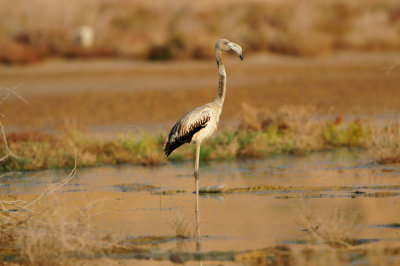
(141, 29)
(384, 144)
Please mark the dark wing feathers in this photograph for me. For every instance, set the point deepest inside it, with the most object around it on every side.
(180, 134)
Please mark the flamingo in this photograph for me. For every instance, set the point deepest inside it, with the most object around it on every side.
(200, 123)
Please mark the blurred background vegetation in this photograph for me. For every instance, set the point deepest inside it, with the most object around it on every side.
(31, 31)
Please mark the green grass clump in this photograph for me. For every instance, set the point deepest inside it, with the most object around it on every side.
(137, 150)
(350, 135)
(60, 153)
(288, 132)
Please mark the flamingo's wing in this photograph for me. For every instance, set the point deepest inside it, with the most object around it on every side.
(183, 131)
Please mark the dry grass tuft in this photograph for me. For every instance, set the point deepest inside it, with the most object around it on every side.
(34, 234)
(335, 231)
(8, 153)
(40, 232)
(384, 144)
(180, 226)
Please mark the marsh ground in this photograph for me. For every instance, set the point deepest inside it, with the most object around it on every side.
(318, 208)
(112, 96)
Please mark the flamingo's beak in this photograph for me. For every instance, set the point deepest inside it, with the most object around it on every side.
(236, 48)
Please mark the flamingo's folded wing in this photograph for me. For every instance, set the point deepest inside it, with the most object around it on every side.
(186, 127)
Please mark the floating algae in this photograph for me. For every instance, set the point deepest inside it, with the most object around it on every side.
(152, 240)
(262, 188)
(356, 194)
(266, 256)
(392, 225)
(168, 192)
(145, 187)
(380, 194)
(272, 254)
(305, 196)
(306, 191)
(220, 188)
(135, 187)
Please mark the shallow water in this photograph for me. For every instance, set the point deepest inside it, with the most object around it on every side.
(231, 221)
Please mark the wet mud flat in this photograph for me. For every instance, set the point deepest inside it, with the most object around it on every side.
(128, 95)
(322, 208)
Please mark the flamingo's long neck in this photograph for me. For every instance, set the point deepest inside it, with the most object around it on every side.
(221, 78)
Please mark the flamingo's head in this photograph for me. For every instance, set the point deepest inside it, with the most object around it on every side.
(225, 45)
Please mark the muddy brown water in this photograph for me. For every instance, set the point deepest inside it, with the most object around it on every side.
(231, 221)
